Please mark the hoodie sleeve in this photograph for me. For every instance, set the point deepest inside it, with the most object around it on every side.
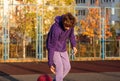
(72, 38)
(52, 39)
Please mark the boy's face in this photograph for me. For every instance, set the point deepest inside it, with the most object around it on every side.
(66, 26)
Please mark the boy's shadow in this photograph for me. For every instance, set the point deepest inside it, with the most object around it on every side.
(7, 76)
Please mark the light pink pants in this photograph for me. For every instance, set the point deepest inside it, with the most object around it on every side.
(62, 64)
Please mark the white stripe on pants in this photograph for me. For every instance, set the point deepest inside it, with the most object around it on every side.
(62, 64)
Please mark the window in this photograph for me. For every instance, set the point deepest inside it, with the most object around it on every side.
(92, 1)
(105, 0)
(80, 1)
(109, 0)
(113, 11)
(81, 12)
(113, 22)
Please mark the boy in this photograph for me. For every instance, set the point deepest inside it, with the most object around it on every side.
(60, 31)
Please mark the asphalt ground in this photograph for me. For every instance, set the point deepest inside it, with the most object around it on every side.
(80, 71)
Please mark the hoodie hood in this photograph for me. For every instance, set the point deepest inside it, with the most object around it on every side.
(58, 20)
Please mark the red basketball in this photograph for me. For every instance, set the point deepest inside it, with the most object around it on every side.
(44, 78)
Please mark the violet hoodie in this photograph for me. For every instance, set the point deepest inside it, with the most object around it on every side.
(57, 39)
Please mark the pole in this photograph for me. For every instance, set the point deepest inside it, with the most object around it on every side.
(40, 45)
(5, 29)
(103, 41)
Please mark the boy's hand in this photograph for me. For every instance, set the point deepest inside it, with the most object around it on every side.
(75, 50)
(52, 68)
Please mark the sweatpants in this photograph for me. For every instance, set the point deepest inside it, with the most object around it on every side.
(62, 65)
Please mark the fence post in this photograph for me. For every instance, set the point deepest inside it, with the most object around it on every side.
(5, 30)
(39, 39)
(103, 41)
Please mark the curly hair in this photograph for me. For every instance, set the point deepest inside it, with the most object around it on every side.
(68, 20)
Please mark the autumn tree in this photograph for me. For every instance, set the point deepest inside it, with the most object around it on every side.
(52, 8)
(25, 19)
(115, 29)
(49, 10)
(91, 26)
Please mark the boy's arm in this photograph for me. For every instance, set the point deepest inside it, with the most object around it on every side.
(51, 44)
(73, 41)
